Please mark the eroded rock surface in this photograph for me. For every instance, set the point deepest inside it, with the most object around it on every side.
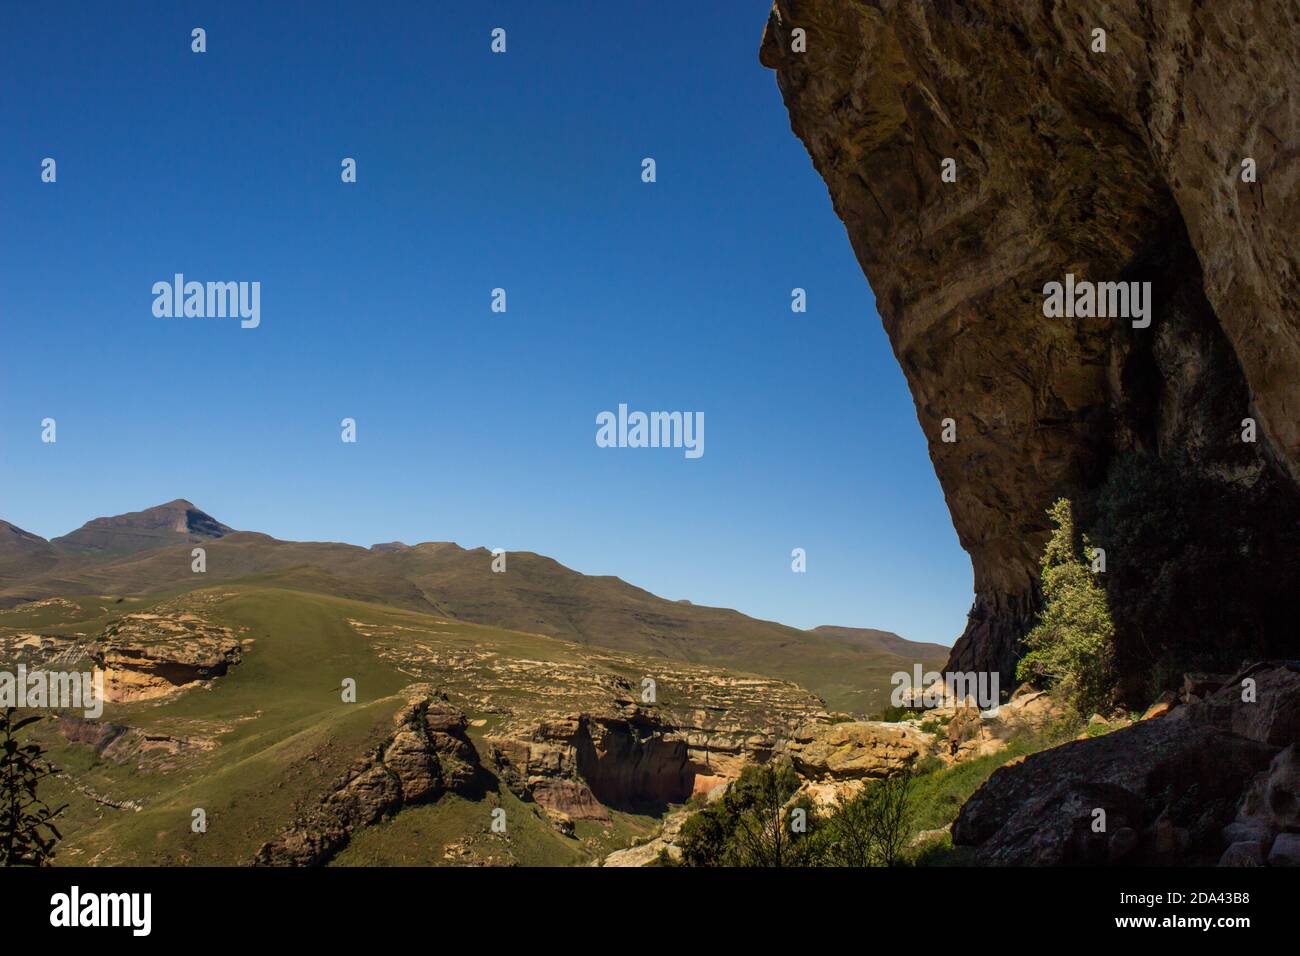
(856, 750)
(131, 745)
(1117, 166)
(146, 656)
(632, 757)
(576, 734)
(426, 756)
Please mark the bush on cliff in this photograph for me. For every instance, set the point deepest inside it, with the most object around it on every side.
(872, 828)
(754, 824)
(1072, 645)
(758, 824)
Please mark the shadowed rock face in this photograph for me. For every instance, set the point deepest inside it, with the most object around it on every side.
(1214, 780)
(1115, 166)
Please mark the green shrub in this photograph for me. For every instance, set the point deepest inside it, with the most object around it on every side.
(27, 830)
(1072, 645)
(873, 827)
(754, 823)
(892, 714)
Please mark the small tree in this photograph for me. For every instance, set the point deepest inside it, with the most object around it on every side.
(1073, 644)
(763, 835)
(872, 828)
(753, 823)
(27, 830)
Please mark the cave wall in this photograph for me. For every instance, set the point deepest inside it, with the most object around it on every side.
(1117, 165)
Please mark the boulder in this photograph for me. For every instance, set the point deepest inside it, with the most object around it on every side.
(1285, 851)
(1042, 809)
(1244, 853)
(856, 749)
(1270, 803)
(1261, 702)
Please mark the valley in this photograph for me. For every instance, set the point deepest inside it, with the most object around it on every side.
(224, 698)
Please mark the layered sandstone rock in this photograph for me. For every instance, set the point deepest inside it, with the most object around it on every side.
(426, 755)
(856, 750)
(130, 745)
(1122, 165)
(631, 757)
(147, 656)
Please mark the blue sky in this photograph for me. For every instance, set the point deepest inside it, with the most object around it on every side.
(475, 171)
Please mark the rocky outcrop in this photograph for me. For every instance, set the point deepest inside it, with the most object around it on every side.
(144, 673)
(575, 767)
(130, 745)
(1261, 702)
(629, 756)
(969, 733)
(426, 756)
(856, 750)
(1208, 782)
(1268, 817)
(138, 671)
(1122, 165)
(662, 844)
(147, 656)
(1042, 810)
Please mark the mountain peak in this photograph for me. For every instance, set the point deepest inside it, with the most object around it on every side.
(14, 538)
(173, 522)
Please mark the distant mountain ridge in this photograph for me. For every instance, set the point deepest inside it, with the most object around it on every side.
(175, 522)
(149, 551)
(884, 640)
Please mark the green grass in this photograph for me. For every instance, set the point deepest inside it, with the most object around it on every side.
(282, 731)
(283, 736)
(938, 796)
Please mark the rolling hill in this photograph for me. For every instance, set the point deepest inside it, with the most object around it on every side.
(149, 552)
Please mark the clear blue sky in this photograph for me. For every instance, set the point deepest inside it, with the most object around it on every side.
(475, 170)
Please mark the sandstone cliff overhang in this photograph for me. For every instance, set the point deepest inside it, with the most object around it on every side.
(1123, 165)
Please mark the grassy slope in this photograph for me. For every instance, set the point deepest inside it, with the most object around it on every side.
(536, 595)
(283, 737)
(938, 796)
(421, 835)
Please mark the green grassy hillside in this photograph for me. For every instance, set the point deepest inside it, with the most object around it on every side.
(255, 747)
(536, 594)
